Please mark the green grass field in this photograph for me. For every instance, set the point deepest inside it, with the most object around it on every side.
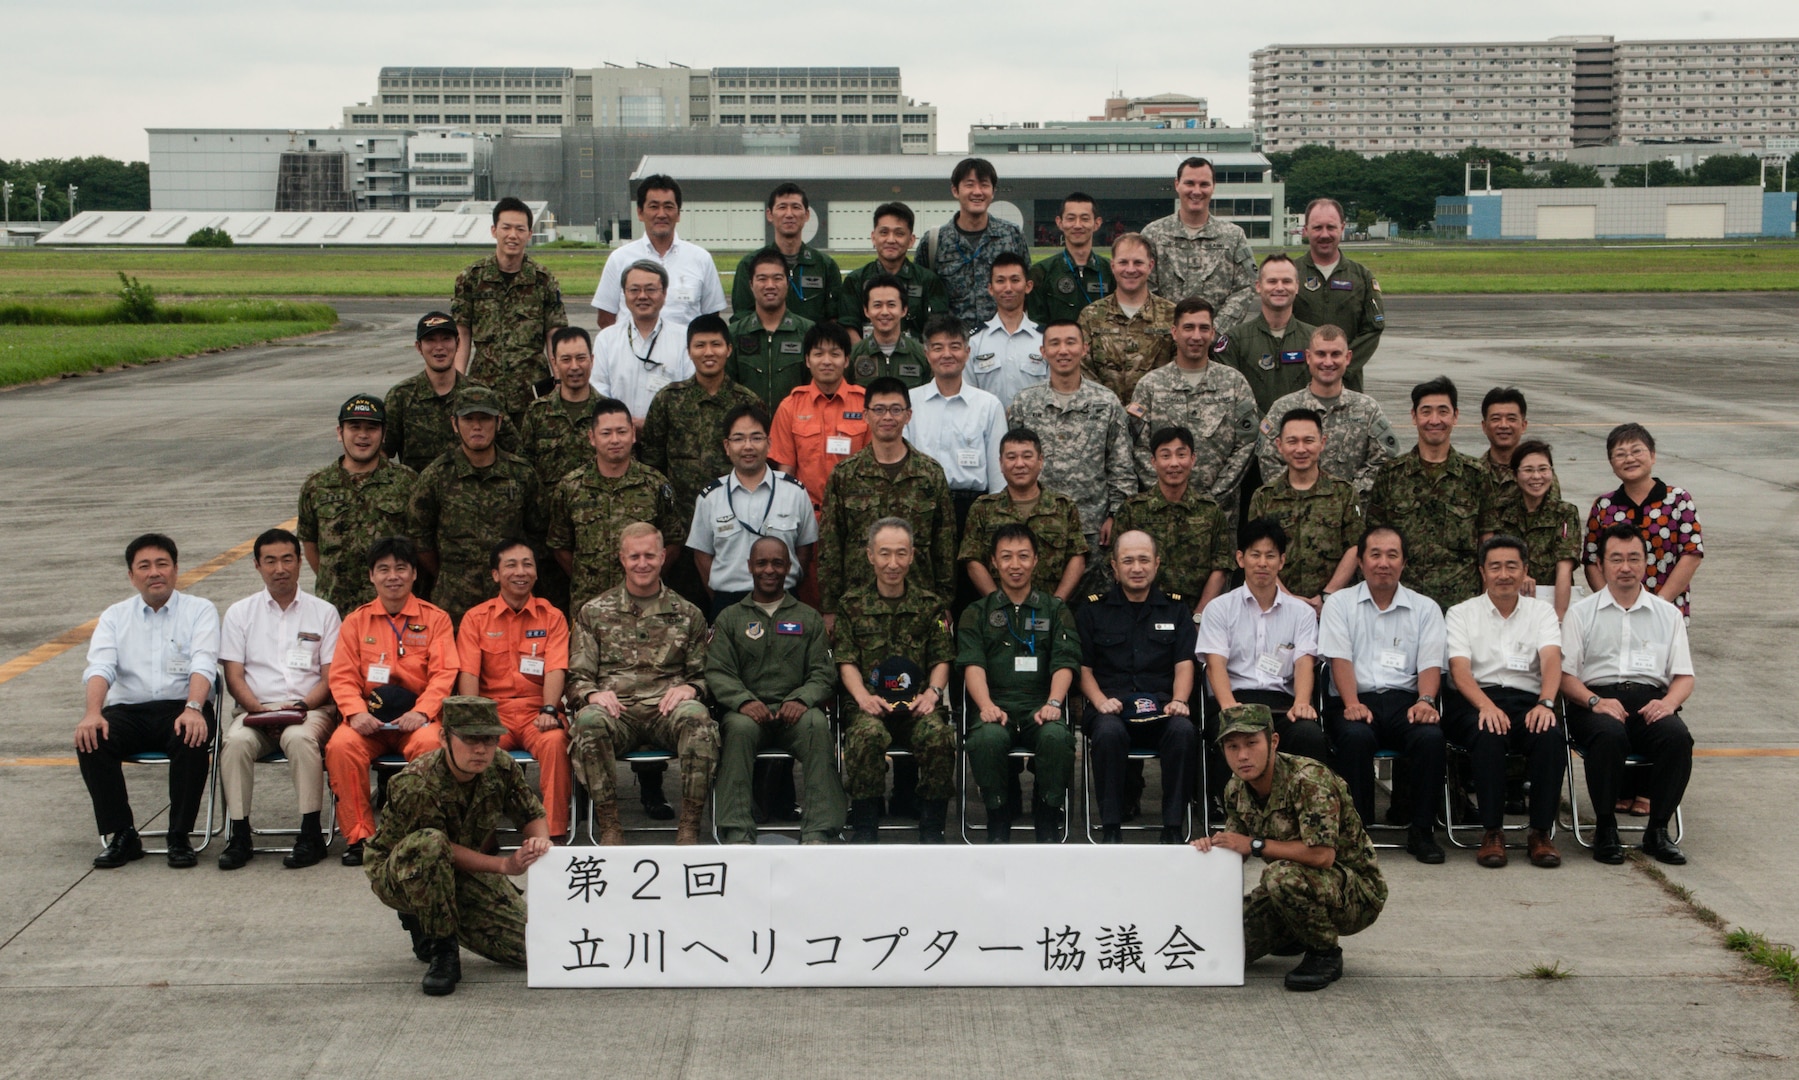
(30, 353)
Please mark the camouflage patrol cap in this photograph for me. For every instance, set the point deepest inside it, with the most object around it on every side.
(472, 717)
(1244, 720)
(363, 407)
(475, 398)
(435, 322)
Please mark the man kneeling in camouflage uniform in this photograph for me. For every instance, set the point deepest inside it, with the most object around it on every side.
(1322, 880)
(425, 861)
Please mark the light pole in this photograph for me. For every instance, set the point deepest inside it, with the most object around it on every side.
(6, 193)
(40, 204)
(72, 190)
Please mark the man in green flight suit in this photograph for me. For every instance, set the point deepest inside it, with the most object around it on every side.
(813, 280)
(1269, 348)
(1336, 291)
(767, 357)
(1076, 276)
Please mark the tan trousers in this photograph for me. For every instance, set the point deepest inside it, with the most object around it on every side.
(303, 743)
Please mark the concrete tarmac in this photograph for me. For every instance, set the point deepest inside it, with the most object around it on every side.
(149, 972)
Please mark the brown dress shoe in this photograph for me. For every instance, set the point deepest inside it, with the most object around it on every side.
(605, 822)
(1492, 849)
(1542, 852)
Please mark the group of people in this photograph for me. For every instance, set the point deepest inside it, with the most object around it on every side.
(916, 492)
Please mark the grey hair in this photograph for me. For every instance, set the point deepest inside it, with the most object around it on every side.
(650, 265)
(891, 523)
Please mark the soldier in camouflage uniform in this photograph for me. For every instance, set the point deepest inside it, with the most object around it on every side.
(1197, 548)
(1357, 438)
(1550, 528)
(1076, 276)
(1054, 520)
(636, 676)
(683, 434)
(467, 501)
(1199, 255)
(1288, 811)
(812, 281)
(768, 357)
(961, 250)
(893, 650)
(1503, 420)
(921, 291)
(348, 505)
(505, 307)
(418, 409)
(442, 809)
(1318, 511)
(1336, 291)
(1269, 348)
(553, 436)
(1123, 348)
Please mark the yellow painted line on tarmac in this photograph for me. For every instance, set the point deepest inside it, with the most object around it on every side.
(1747, 751)
(1683, 423)
(69, 639)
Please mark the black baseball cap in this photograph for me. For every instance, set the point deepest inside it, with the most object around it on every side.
(363, 407)
(435, 322)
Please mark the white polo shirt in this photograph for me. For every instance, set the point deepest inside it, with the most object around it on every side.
(1259, 647)
(962, 433)
(728, 519)
(1389, 648)
(1003, 362)
(147, 655)
(1606, 642)
(630, 367)
(1503, 651)
(694, 288)
(282, 650)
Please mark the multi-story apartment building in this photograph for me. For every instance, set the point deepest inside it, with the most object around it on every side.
(1736, 91)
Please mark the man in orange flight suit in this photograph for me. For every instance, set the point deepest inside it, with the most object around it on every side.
(818, 425)
(395, 642)
(514, 650)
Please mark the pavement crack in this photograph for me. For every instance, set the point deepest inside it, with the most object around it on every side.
(14, 936)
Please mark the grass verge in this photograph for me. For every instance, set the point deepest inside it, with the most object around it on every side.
(1777, 962)
(98, 313)
(30, 353)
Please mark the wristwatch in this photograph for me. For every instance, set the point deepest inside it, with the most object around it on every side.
(1057, 702)
(1258, 848)
(550, 709)
(197, 706)
(1546, 703)
(1592, 700)
(1431, 700)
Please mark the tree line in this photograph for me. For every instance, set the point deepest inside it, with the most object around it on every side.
(102, 183)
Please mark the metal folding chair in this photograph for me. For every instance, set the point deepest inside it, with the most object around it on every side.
(209, 827)
(327, 820)
(1452, 752)
(1134, 754)
(1583, 832)
(630, 757)
(1016, 755)
(525, 761)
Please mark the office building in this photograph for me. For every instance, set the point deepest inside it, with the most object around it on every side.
(1108, 137)
(1657, 213)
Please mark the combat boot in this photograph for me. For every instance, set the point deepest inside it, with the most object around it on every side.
(421, 947)
(687, 830)
(999, 825)
(1319, 969)
(1048, 821)
(931, 814)
(608, 832)
(865, 821)
(446, 966)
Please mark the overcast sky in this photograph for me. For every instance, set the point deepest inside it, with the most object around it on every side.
(88, 76)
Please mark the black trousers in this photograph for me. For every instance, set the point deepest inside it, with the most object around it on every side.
(1605, 743)
(1545, 752)
(141, 728)
(1110, 739)
(1303, 737)
(1421, 746)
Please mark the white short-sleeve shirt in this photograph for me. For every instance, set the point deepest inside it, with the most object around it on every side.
(728, 519)
(147, 655)
(1503, 651)
(1605, 642)
(694, 287)
(283, 651)
(1003, 362)
(1259, 647)
(1389, 648)
(631, 367)
(962, 433)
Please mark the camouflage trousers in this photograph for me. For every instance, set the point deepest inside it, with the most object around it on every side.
(1297, 903)
(808, 739)
(929, 737)
(482, 911)
(688, 732)
(514, 383)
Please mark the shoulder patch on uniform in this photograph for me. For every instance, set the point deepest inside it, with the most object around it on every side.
(791, 479)
(713, 486)
(1223, 343)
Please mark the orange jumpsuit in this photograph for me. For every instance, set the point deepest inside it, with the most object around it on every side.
(509, 652)
(807, 427)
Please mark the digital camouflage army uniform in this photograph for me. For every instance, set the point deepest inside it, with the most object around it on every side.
(1218, 408)
(1551, 533)
(1191, 536)
(871, 628)
(408, 860)
(925, 296)
(813, 285)
(639, 649)
(992, 635)
(683, 435)
(554, 436)
(1086, 449)
(1442, 511)
(860, 493)
(509, 322)
(1295, 903)
(344, 515)
(908, 362)
(418, 428)
(1348, 300)
(1274, 364)
(965, 263)
(1357, 438)
(1121, 348)
(587, 511)
(1322, 523)
(1061, 287)
(461, 512)
(1053, 518)
(1213, 261)
(768, 365)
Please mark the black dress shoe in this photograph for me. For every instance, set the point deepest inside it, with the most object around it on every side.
(1658, 845)
(1318, 970)
(353, 854)
(999, 826)
(181, 854)
(1172, 834)
(124, 847)
(240, 849)
(1422, 843)
(308, 851)
(1111, 834)
(1607, 848)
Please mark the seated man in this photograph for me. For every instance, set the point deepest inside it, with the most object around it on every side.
(1321, 880)
(513, 650)
(1260, 644)
(769, 664)
(396, 655)
(635, 676)
(1385, 647)
(1626, 671)
(1019, 655)
(426, 862)
(890, 637)
(1505, 657)
(276, 648)
(1137, 676)
(150, 670)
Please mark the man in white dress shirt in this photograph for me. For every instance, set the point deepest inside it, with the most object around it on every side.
(956, 423)
(276, 648)
(1505, 657)
(1008, 349)
(694, 288)
(637, 356)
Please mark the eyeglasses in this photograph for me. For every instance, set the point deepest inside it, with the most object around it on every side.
(644, 290)
(1536, 470)
(753, 439)
(882, 411)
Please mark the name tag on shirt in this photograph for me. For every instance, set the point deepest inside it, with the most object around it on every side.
(1517, 663)
(837, 444)
(379, 674)
(1643, 660)
(1268, 664)
(530, 665)
(1164, 626)
(812, 281)
(1293, 356)
(986, 362)
(1343, 286)
(178, 664)
(968, 459)
(1024, 663)
(725, 525)
(299, 658)
(1392, 659)
(790, 347)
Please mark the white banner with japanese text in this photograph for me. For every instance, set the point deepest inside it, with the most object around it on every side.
(892, 915)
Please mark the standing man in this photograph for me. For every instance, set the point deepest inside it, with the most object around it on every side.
(418, 428)
(693, 284)
(468, 500)
(348, 505)
(957, 424)
(1052, 517)
(768, 358)
(1185, 524)
(889, 350)
(1664, 513)
(811, 276)
(1322, 880)
(505, 307)
(636, 357)
(769, 666)
(1505, 657)
(820, 423)
(1357, 439)
(751, 502)
(1008, 349)
(635, 675)
(1336, 291)
(553, 437)
(921, 290)
(276, 647)
(1318, 512)
(1130, 333)
(151, 666)
(1503, 422)
(961, 251)
(1269, 347)
(1200, 255)
(1212, 401)
(1076, 276)
(513, 650)
(681, 437)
